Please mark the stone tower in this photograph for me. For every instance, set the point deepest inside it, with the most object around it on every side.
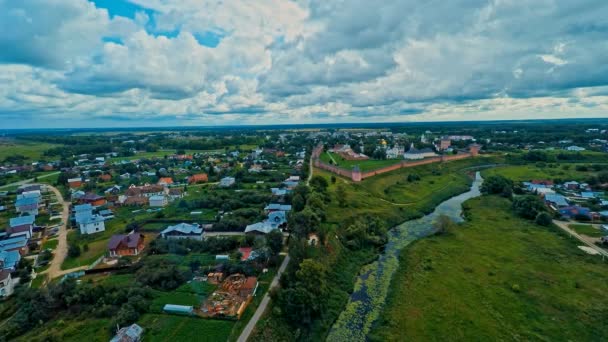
(356, 174)
(474, 149)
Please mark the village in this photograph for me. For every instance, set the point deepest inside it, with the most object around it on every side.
(225, 217)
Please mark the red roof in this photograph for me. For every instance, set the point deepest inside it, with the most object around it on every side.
(245, 252)
(201, 177)
(166, 180)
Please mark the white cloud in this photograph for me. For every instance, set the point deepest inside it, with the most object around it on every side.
(303, 61)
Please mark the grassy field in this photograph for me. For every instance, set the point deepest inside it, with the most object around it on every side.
(181, 328)
(587, 229)
(529, 172)
(83, 329)
(395, 199)
(364, 165)
(31, 150)
(496, 277)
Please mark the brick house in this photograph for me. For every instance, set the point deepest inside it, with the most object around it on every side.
(126, 244)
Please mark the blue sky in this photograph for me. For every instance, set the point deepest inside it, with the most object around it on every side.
(79, 63)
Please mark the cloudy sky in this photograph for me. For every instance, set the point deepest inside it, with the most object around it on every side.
(78, 63)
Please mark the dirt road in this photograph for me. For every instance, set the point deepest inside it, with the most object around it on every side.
(264, 304)
(564, 226)
(62, 237)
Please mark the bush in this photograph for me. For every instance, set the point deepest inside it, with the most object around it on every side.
(543, 219)
(74, 251)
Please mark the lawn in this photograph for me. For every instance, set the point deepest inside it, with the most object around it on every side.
(496, 277)
(161, 327)
(50, 244)
(96, 250)
(587, 229)
(364, 165)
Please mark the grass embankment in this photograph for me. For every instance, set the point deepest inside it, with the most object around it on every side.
(496, 277)
(587, 229)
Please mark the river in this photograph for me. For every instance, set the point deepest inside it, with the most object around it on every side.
(372, 285)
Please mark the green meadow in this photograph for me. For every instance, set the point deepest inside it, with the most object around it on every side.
(496, 277)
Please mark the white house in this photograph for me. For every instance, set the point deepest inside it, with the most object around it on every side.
(575, 148)
(158, 201)
(183, 231)
(227, 182)
(88, 222)
(6, 284)
(92, 224)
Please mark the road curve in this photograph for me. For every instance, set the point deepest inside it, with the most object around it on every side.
(264, 304)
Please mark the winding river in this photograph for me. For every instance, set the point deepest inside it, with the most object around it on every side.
(371, 287)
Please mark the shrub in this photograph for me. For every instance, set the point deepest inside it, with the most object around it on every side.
(543, 219)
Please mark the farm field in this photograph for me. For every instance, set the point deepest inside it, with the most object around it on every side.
(496, 277)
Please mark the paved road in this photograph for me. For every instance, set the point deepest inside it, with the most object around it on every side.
(260, 311)
(25, 181)
(564, 226)
(62, 247)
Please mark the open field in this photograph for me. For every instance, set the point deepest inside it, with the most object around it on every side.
(496, 277)
(529, 172)
(31, 150)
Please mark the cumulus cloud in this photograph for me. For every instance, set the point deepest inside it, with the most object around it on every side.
(238, 61)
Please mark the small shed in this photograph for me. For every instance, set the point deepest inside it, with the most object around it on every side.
(178, 309)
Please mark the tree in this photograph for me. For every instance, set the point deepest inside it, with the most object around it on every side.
(528, 206)
(74, 251)
(274, 241)
(298, 203)
(333, 179)
(495, 185)
(319, 183)
(443, 224)
(543, 219)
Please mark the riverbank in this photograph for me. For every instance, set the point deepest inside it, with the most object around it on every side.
(373, 283)
(370, 198)
(496, 276)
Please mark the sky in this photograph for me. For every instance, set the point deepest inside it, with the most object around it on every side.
(144, 63)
